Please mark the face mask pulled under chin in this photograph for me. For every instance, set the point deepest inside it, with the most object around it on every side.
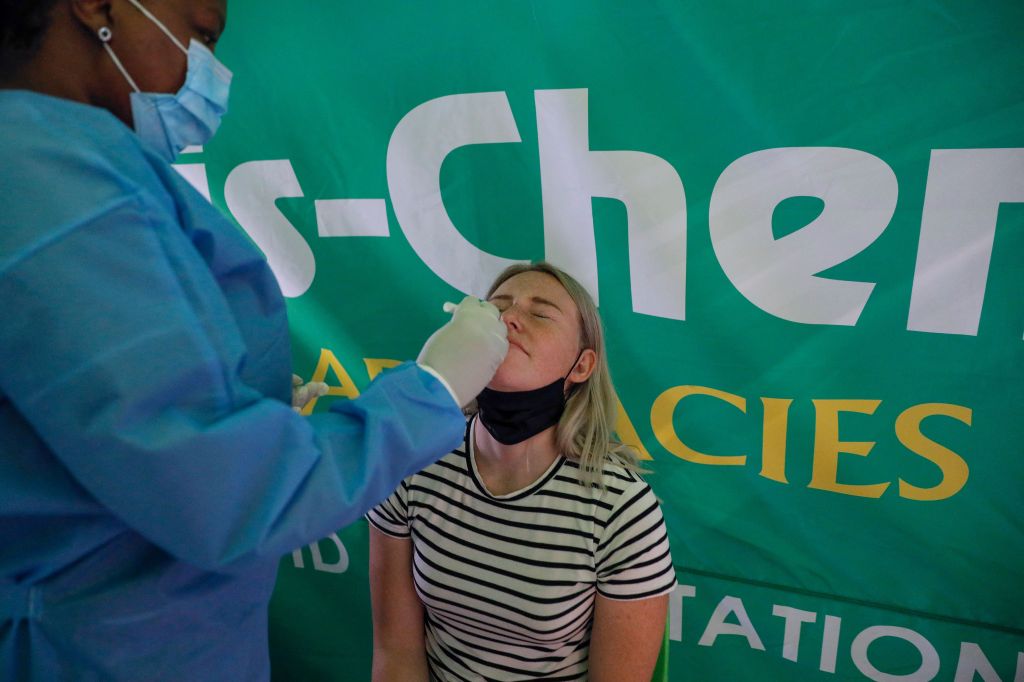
(171, 122)
(513, 416)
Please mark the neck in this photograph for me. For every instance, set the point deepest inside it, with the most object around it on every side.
(37, 77)
(507, 468)
(63, 65)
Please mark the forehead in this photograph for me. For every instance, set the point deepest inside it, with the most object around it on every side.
(537, 285)
(220, 6)
(210, 10)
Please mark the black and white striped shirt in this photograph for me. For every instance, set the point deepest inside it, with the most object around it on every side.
(508, 582)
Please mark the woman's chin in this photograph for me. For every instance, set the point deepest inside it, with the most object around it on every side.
(502, 387)
(515, 374)
(500, 383)
(504, 381)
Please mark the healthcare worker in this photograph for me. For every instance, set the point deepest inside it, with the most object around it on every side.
(152, 471)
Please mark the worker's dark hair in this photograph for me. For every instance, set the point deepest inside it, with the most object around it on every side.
(22, 25)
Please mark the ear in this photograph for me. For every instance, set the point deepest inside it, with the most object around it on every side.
(92, 14)
(584, 367)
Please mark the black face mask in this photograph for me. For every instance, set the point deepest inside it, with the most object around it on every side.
(513, 416)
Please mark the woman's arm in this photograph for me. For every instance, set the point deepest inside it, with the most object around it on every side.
(399, 654)
(626, 638)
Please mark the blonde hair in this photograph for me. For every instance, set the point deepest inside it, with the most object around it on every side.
(585, 430)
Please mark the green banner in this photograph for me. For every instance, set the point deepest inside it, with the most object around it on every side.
(803, 222)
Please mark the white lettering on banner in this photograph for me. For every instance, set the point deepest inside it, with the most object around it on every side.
(419, 145)
(339, 566)
(250, 192)
(675, 609)
(958, 224)
(971, 657)
(929, 656)
(571, 175)
(972, 660)
(195, 175)
(830, 643)
(352, 218)
(964, 190)
(717, 625)
(794, 618)
(780, 276)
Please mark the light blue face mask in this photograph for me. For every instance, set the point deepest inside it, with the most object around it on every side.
(171, 122)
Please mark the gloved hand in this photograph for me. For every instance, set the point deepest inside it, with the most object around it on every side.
(467, 351)
(303, 393)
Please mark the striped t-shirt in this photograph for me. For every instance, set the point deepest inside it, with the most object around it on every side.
(508, 582)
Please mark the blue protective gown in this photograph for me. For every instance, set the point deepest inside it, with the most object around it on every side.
(152, 471)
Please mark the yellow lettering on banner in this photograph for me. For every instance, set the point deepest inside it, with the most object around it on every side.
(661, 420)
(375, 366)
(954, 468)
(773, 442)
(626, 432)
(827, 447)
(344, 387)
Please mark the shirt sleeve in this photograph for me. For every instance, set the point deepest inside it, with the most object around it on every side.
(633, 556)
(125, 358)
(391, 516)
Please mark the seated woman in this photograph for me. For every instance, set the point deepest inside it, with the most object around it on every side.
(535, 551)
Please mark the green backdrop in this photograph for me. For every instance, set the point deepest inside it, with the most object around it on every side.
(803, 222)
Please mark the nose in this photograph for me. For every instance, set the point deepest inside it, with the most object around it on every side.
(510, 316)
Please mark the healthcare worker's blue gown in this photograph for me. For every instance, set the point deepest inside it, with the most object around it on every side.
(152, 471)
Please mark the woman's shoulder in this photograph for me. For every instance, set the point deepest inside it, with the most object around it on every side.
(41, 126)
(72, 163)
(454, 465)
(616, 477)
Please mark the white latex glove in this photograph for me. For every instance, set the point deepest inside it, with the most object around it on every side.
(303, 393)
(466, 352)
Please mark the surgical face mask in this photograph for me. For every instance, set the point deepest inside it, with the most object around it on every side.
(513, 416)
(171, 122)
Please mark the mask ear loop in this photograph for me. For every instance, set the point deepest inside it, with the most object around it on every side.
(105, 35)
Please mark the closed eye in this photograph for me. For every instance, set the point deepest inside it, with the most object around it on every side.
(208, 21)
(206, 34)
